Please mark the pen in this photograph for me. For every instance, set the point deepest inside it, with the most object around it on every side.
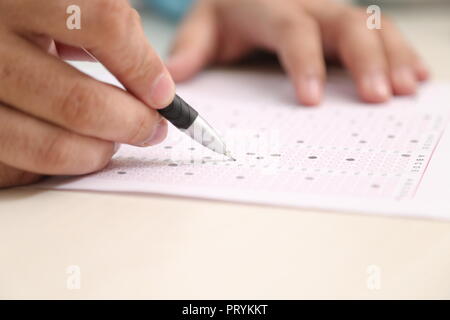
(187, 119)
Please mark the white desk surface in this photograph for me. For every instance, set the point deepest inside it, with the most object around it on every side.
(134, 246)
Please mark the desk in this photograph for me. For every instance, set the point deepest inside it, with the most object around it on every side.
(134, 246)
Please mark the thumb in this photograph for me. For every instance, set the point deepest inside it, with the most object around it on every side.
(196, 43)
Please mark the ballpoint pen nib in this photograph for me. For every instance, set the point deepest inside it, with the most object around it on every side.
(228, 154)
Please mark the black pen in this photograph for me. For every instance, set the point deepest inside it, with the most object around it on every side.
(187, 119)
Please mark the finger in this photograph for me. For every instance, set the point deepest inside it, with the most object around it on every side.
(297, 42)
(295, 37)
(361, 51)
(32, 145)
(422, 71)
(45, 87)
(111, 30)
(12, 177)
(401, 58)
(195, 44)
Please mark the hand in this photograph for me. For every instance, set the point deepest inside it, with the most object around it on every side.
(302, 33)
(56, 120)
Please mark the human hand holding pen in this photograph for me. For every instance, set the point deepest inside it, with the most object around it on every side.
(53, 118)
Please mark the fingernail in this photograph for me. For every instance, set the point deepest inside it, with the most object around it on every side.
(162, 91)
(310, 90)
(404, 80)
(423, 70)
(376, 86)
(158, 135)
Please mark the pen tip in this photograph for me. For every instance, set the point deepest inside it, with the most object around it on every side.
(228, 154)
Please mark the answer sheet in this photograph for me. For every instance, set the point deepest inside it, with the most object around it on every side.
(342, 155)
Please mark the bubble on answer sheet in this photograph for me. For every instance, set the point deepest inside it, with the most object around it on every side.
(168, 147)
(312, 157)
(189, 173)
(121, 172)
(240, 177)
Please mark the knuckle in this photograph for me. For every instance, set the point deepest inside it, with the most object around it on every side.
(295, 22)
(80, 108)
(353, 17)
(141, 66)
(116, 18)
(54, 155)
(307, 24)
(58, 155)
(286, 22)
(349, 21)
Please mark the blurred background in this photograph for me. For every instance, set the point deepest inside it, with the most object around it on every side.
(175, 9)
(426, 23)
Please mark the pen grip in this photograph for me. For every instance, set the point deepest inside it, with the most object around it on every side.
(179, 113)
